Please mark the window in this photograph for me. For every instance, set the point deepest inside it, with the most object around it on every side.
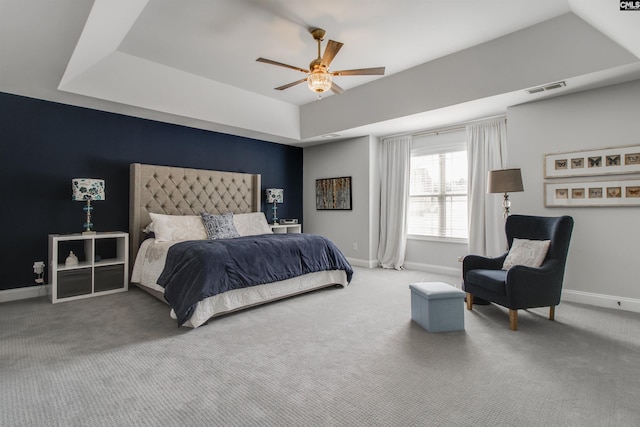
(438, 189)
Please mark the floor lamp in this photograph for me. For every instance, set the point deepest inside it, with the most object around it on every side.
(505, 181)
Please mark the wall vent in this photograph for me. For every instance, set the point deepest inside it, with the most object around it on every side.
(550, 86)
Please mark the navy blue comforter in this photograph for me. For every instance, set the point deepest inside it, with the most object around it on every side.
(198, 269)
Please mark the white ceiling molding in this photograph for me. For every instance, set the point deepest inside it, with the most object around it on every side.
(97, 70)
(195, 65)
(623, 27)
(106, 27)
(536, 55)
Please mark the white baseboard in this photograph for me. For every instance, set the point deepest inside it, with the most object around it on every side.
(371, 263)
(598, 300)
(601, 300)
(436, 269)
(24, 293)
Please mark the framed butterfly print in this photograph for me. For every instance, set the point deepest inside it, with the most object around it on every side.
(605, 161)
(623, 192)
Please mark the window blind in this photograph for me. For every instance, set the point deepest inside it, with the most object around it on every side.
(438, 187)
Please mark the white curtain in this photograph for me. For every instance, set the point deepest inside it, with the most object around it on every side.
(395, 155)
(486, 150)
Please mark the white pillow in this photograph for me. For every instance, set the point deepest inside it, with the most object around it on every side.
(251, 224)
(172, 228)
(530, 253)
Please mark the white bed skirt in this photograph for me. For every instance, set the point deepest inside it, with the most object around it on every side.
(150, 262)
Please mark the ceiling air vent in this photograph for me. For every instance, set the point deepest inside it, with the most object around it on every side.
(550, 86)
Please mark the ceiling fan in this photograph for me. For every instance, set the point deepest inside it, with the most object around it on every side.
(319, 78)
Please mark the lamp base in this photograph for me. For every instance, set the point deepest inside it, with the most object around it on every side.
(275, 213)
(87, 225)
(506, 204)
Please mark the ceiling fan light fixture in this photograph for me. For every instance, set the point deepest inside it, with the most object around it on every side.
(319, 81)
(318, 77)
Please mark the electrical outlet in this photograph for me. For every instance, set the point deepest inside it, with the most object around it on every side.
(355, 246)
(38, 267)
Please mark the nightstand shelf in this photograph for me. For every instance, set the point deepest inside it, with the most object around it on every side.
(286, 228)
(102, 267)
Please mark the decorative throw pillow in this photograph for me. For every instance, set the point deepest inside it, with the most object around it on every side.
(219, 226)
(173, 228)
(530, 253)
(251, 224)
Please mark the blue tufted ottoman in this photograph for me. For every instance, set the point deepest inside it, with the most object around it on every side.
(437, 306)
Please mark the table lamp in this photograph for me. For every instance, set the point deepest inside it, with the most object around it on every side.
(275, 196)
(86, 190)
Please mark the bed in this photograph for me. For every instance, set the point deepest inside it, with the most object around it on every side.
(165, 207)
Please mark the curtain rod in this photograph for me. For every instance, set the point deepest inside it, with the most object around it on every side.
(452, 128)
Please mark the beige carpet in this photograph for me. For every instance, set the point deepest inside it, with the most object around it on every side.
(337, 357)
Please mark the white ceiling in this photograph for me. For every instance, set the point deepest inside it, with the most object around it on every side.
(225, 37)
(193, 63)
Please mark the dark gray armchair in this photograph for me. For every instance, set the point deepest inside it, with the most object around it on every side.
(522, 287)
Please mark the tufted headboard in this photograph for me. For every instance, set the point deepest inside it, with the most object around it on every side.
(182, 191)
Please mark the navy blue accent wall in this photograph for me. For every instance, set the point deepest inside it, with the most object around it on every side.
(43, 145)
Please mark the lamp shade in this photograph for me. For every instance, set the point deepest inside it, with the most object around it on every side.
(275, 195)
(504, 181)
(87, 189)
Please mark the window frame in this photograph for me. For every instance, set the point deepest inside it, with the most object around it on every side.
(440, 144)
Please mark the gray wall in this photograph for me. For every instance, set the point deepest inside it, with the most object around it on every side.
(357, 158)
(605, 248)
(436, 256)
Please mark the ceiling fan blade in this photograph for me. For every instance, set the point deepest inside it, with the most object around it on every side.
(287, 86)
(280, 64)
(330, 52)
(379, 71)
(336, 89)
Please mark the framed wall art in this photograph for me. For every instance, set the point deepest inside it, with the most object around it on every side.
(625, 192)
(333, 193)
(605, 161)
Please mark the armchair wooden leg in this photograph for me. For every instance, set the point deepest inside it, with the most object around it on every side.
(552, 312)
(513, 320)
(469, 301)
